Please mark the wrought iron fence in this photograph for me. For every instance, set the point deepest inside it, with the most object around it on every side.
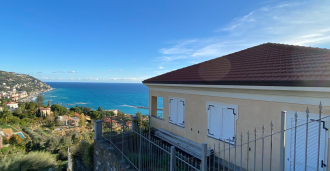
(298, 146)
(142, 151)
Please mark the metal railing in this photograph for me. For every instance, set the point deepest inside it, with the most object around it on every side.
(139, 150)
(297, 146)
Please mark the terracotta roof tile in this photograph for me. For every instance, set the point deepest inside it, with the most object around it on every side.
(265, 64)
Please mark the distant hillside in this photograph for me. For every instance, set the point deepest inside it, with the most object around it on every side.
(21, 82)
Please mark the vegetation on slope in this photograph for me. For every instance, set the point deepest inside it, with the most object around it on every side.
(21, 82)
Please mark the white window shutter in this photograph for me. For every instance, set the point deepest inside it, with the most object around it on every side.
(173, 111)
(312, 145)
(180, 112)
(228, 126)
(215, 121)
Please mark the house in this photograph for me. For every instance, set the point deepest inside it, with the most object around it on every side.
(129, 124)
(12, 105)
(44, 111)
(88, 118)
(63, 118)
(7, 133)
(108, 121)
(73, 121)
(76, 115)
(217, 100)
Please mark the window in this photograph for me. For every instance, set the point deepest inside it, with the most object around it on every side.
(176, 110)
(222, 121)
(157, 107)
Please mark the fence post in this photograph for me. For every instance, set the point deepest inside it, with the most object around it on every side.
(97, 130)
(173, 159)
(122, 143)
(140, 150)
(204, 157)
(282, 143)
(134, 123)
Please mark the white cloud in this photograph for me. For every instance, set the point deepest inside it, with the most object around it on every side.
(72, 71)
(44, 78)
(161, 67)
(120, 70)
(300, 23)
(58, 72)
(109, 70)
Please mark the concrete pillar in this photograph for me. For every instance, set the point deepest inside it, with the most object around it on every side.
(97, 129)
(282, 145)
(173, 159)
(135, 123)
(204, 157)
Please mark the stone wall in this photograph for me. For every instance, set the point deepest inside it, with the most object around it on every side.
(105, 159)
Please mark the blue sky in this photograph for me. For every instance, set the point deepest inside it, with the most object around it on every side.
(129, 41)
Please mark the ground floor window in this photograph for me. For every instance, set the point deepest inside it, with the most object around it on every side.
(176, 110)
(222, 121)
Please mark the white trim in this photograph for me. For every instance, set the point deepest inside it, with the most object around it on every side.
(272, 98)
(283, 88)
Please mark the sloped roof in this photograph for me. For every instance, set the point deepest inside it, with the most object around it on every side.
(268, 64)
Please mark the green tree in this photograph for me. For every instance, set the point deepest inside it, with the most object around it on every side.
(139, 115)
(60, 109)
(15, 140)
(65, 141)
(31, 161)
(52, 126)
(40, 100)
(99, 109)
(94, 114)
(13, 120)
(76, 109)
(82, 120)
(52, 143)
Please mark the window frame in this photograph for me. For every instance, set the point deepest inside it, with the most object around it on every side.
(222, 105)
(184, 109)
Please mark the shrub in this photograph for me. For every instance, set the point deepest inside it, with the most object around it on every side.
(30, 161)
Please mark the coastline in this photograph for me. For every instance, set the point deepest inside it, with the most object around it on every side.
(33, 96)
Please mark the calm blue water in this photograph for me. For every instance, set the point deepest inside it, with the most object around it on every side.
(122, 96)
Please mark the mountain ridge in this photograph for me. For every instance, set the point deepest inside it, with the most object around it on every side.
(21, 82)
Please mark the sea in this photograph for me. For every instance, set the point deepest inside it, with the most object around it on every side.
(123, 96)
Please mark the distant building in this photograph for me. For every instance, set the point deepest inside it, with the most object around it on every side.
(76, 114)
(63, 118)
(129, 124)
(12, 105)
(88, 118)
(44, 111)
(7, 132)
(73, 121)
(108, 121)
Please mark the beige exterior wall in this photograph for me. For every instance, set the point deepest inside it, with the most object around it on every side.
(252, 114)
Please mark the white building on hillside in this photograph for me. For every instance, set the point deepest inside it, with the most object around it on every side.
(12, 105)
